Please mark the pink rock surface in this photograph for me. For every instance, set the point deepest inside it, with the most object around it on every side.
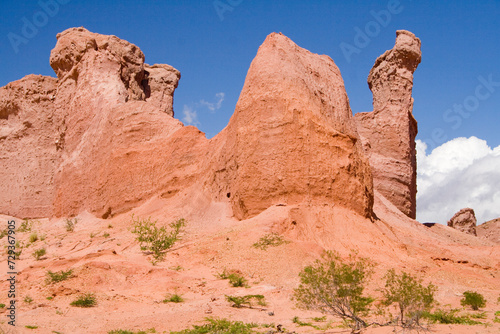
(464, 220)
(388, 132)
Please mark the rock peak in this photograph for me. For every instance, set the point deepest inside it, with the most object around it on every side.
(464, 220)
(388, 133)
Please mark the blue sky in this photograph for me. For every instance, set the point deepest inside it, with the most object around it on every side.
(213, 48)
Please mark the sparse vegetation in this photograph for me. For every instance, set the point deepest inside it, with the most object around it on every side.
(58, 276)
(33, 237)
(473, 299)
(70, 224)
(4, 232)
(156, 239)
(106, 235)
(31, 327)
(28, 300)
(37, 254)
(272, 239)
(235, 279)
(336, 287)
(85, 300)
(411, 297)
(175, 298)
(2, 305)
(240, 301)
(221, 326)
(26, 226)
(449, 317)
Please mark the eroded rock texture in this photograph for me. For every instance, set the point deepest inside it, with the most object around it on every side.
(102, 137)
(388, 132)
(464, 220)
(292, 137)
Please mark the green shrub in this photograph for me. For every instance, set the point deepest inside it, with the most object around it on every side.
(58, 276)
(237, 281)
(33, 237)
(240, 301)
(175, 298)
(449, 317)
(411, 297)
(31, 327)
(335, 286)
(2, 305)
(155, 239)
(26, 226)
(28, 300)
(37, 254)
(473, 299)
(267, 240)
(4, 232)
(70, 224)
(221, 326)
(85, 300)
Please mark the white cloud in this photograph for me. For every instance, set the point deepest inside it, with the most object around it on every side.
(216, 105)
(190, 113)
(190, 116)
(464, 172)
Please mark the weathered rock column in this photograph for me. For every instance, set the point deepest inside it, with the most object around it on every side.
(388, 133)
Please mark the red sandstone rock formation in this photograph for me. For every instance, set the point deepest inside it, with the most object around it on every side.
(464, 220)
(388, 132)
(108, 140)
(292, 137)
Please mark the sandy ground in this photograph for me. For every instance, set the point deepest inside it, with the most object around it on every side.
(107, 261)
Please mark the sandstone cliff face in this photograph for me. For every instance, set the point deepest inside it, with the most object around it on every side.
(464, 220)
(30, 146)
(108, 140)
(292, 138)
(388, 132)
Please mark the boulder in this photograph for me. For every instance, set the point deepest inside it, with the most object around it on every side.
(464, 220)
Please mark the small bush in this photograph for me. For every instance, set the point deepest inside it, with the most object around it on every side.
(2, 305)
(473, 299)
(267, 240)
(240, 301)
(70, 224)
(237, 281)
(26, 226)
(37, 254)
(221, 326)
(449, 317)
(106, 235)
(33, 237)
(86, 300)
(4, 232)
(28, 300)
(335, 286)
(58, 276)
(31, 327)
(175, 298)
(121, 331)
(410, 295)
(155, 239)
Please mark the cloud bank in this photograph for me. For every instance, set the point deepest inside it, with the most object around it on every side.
(464, 172)
(190, 111)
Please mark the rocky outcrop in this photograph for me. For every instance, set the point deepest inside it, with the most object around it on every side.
(100, 138)
(464, 220)
(30, 146)
(110, 141)
(388, 132)
(489, 230)
(292, 137)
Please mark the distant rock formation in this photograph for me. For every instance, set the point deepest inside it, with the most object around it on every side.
(489, 230)
(102, 137)
(464, 220)
(388, 132)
